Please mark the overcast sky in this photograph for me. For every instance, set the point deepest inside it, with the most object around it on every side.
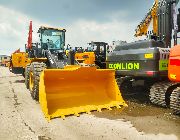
(85, 20)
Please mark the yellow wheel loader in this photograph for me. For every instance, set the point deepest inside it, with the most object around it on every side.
(18, 62)
(64, 87)
(85, 57)
(93, 55)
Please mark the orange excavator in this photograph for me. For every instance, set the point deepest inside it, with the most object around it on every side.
(174, 66)
(174, 75)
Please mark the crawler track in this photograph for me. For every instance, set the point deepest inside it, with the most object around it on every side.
(175, 101)
(166, 94)
(158, 93)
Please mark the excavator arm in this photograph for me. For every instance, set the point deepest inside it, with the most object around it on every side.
(142, 28)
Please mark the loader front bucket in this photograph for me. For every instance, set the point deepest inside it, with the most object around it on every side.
(74, 90)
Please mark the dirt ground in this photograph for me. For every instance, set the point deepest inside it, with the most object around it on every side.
(22, 118)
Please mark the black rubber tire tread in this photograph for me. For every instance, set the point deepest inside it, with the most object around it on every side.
(36, 69)
(125, 86)
(175, 101)
(158, 92)
(23, 73)
(26, 73)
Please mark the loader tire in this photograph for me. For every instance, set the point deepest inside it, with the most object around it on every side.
(26, 73)
(35, 70)
(23, 72)
(125, 85)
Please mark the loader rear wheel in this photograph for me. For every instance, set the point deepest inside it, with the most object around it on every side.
(35, 70)
(23, 72)
(26, 73)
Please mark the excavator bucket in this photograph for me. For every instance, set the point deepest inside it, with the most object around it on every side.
(74, 90)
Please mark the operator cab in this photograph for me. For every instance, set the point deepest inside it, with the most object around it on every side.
(100, 50)
(52, 38)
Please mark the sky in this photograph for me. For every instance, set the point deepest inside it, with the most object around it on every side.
(84, 20)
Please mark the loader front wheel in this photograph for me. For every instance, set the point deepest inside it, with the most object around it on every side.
(26, 73)
(35, 70)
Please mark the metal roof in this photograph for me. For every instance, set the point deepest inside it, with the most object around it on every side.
(46, 27)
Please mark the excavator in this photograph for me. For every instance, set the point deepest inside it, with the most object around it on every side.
(170, 93)
(61, 84)
(152, 60)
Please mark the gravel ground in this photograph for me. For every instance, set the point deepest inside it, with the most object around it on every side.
(22, 118)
